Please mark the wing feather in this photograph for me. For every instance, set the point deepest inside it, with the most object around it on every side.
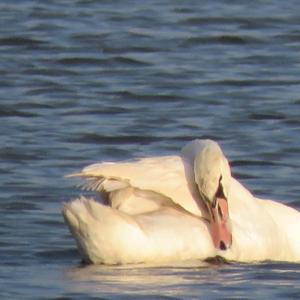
(170, 176)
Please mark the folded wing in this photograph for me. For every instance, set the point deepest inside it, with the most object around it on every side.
(166, 179)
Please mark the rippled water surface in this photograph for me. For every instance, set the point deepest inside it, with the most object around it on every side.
(82, 81)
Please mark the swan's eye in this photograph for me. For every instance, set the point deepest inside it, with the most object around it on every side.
(220, 192)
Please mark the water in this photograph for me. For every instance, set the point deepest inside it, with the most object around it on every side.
(83, 81)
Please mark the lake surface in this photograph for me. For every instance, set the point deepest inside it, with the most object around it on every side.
(84, 81)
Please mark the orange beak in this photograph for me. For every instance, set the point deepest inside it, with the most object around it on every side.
(219, 224)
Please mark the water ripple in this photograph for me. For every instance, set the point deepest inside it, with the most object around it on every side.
(106, 80)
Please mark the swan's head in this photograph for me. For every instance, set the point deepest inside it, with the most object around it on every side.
(212, 175)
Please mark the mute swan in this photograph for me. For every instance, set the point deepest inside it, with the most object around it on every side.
(172, 208)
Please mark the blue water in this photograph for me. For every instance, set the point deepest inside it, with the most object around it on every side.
(83, 81)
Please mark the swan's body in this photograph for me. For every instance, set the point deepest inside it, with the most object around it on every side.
(158, 209)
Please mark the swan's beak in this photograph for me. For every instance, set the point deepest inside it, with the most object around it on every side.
(219, 224)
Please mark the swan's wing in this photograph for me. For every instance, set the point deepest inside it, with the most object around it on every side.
(168, 176)
(122, 196)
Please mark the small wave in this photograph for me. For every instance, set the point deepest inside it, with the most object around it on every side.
(266, 116)
(20, 41)
(117, 140)
(8, 111)
(236, 163)
(70, 61)
(58, 254)
(130, 61)
(221, 39)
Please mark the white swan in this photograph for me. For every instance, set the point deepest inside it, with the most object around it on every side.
(172, 208)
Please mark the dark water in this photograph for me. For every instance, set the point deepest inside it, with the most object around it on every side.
(82, 81)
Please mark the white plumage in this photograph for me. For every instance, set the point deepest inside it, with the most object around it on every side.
(159, 209)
